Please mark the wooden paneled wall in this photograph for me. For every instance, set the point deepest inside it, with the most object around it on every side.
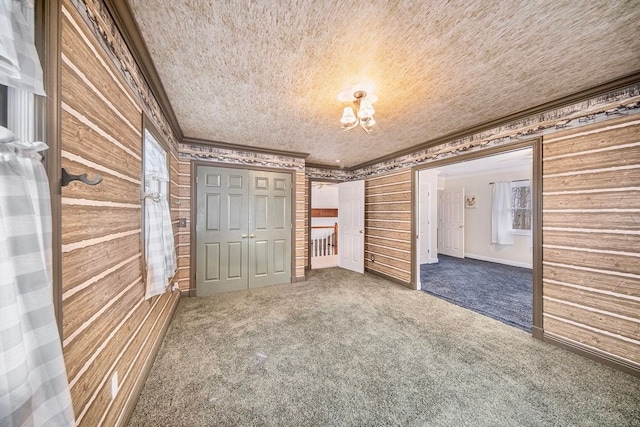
(302, 218)
(591, 237)
(107, 326)
(181, 208)
(388, 225)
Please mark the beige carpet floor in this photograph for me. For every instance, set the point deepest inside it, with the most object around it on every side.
(344, 349)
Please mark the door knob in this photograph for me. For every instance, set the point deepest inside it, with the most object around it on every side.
(251, 236)
(462, 226)
(244, 236)
(361, 231)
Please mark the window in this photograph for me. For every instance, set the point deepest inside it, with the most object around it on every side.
(521, 206)
(159, 249)
(21, 75)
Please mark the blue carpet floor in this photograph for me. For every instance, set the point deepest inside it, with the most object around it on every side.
(499, 291)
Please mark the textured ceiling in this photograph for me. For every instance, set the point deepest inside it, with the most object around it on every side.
(267, 73)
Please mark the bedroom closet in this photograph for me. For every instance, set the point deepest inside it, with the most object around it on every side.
(243, 229)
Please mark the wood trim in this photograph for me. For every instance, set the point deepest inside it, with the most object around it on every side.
(536, 188)
(415, 209)
(560, 102)
(321, 166)
(132, 399)
(536, 238)
(128, 27)
(47, 41)
(324, 212)
(592, 354)
(192, 228)
(230, 146)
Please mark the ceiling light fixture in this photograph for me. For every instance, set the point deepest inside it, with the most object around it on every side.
(363, 113)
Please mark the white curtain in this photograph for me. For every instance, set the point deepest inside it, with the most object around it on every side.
(34, 390)
(159, 245)
(501, 222)
(19, 64)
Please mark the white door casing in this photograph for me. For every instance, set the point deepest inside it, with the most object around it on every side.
(424, 234)
(351, 225)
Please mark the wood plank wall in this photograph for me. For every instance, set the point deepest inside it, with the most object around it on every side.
(107, 326)
(591, 237)
(302, 221)
(181, 207)
(388, 225)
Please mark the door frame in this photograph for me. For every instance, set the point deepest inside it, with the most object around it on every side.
(536, 223)
(193, 214)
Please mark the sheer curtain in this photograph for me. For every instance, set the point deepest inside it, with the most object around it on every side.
(159, 245)
(34, 389)
(501, 222)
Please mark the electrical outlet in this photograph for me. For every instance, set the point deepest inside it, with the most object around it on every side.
(182, 222)
(114, 385)
(373, 258)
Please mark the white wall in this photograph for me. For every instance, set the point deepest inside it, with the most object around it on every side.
(478, 221)
(325, 197)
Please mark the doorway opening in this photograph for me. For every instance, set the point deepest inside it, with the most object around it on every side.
(323, 232)
(341, 242)
(475, 235)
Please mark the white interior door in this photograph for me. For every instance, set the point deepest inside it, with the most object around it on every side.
(424, 235)
(351, 225)
(452, 223)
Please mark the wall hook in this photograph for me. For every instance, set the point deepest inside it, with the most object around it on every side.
(67, 178)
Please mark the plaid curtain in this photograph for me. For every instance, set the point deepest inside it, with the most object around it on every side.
(34, 389)
(19, 64)
(159, 245)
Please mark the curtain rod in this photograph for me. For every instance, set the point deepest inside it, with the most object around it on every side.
(515, 180)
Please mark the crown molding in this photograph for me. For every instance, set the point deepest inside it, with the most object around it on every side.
(125, 22)
(602, 89)
(229, 146)
(322, 166)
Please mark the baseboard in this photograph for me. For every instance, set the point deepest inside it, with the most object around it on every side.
(390, 278)
(537, 333)
(430, 261)
(132, 399)
(593, 354)
(499, 260)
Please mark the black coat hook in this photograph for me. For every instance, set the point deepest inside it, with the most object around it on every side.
(67, 178)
